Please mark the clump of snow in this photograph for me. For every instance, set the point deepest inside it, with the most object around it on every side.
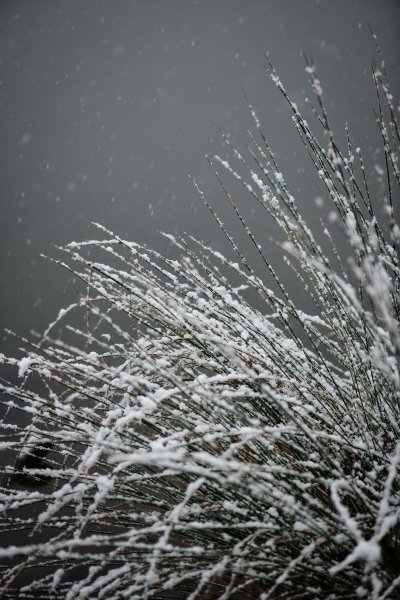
(23, 365)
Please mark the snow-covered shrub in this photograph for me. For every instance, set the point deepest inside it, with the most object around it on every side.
(184, 443)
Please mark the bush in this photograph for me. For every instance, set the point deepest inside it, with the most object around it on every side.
(185, 443)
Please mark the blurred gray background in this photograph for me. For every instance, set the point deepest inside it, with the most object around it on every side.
(106, 107)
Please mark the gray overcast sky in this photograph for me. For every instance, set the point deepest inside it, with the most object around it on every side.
(106, 107)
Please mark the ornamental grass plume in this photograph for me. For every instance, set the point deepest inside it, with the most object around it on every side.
(187, 441)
